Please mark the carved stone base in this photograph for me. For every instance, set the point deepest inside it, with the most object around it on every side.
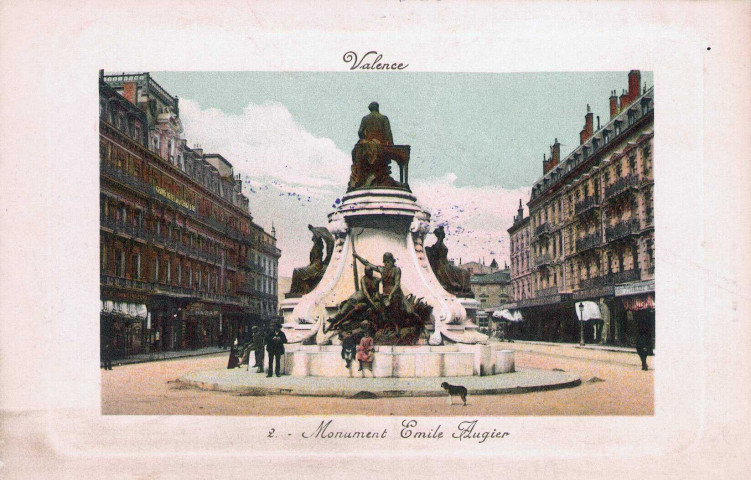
(378, 221)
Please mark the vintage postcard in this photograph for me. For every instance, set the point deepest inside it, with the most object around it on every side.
(357, 262)
(276, 240)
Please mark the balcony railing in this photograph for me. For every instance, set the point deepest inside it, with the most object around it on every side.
(126, 179)
(590, 241)
(626, 276)
(542, 260)
(125, 282)
(543, 229)
(119, 227)
(587, 205)
(546, 292)
(622, 185)
(599, 281)
(622, 229)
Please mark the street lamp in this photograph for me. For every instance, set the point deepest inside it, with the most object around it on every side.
(581, 324)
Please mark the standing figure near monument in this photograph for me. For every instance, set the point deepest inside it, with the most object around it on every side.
(275, 341)
(365, 353)
(369, 164)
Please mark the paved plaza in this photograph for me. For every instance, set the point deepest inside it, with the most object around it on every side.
(612, 383)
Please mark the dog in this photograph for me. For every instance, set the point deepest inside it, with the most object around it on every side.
(455, 390)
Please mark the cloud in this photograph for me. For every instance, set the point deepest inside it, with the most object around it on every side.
(475, 218)
(292, 178)
(266, 141)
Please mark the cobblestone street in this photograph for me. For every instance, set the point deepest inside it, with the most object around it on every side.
(612, 384)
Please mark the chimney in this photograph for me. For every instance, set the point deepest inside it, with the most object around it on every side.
(555, 153)
(625, 101)
(598, 122)
(546, 165)
(634, 82)
(613, 105)
(129, 91)
(588, 123)
(520, 211)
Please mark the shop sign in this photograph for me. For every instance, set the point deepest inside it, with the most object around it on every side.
(125, 296)
(173, 198)
(635, 288)
(604, 291)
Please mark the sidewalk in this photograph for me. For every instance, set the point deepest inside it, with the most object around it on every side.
(594, 346)
(600, 353)
(157, 356)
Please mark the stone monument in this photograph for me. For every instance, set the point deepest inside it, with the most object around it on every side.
(379, 220)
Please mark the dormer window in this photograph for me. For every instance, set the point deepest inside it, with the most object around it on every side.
(595, 144)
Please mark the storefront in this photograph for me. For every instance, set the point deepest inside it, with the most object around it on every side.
(638, 301)
(122, 326)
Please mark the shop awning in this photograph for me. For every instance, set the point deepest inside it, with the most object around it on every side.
(135, 311)
(639, 302)
(591, 311)
(508, 315)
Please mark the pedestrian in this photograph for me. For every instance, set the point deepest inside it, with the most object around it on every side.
(107, 356)
(643, 342)
(257, 342)
(349, 346)
(233, 361)
(365, 353)
(275, 341)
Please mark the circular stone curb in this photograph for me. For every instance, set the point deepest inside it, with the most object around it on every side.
(246, 383)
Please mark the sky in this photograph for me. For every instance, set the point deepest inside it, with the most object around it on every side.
(477, 141)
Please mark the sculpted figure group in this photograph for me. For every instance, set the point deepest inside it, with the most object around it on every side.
(394, 318)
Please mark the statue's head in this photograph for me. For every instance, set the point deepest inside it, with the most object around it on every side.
(439, 232)
(373, 107)
(388, 258)
(369, 271)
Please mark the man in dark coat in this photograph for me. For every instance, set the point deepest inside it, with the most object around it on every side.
(643, 342)
(107, 356)
(258, 344)
(275, 341)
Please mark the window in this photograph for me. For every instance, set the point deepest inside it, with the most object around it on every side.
(136, 266)
(156, 270)
(119, 263)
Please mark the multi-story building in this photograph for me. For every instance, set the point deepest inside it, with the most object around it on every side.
(183, 265)
(591, 226)
(492, 291)
(479, 267)
(519, 250)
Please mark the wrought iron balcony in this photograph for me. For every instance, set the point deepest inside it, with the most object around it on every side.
(626, 276)
(543, 229)
(542, 261)
(124, 228)
(589, 204)
(599, 281)
(590, 241)
(125, 179)
(622, 229)
(622, 185)
(123, 282)
(546, 292)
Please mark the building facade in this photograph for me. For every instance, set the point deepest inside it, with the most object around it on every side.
(182, 263)
(492, 291)
(591, 229)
